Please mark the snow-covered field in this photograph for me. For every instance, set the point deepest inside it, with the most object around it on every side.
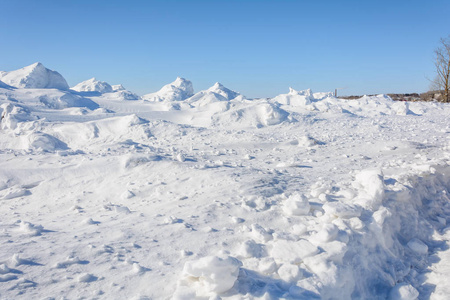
(209, 195)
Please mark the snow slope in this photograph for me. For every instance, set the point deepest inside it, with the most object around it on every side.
(34, 76)
(238, 199)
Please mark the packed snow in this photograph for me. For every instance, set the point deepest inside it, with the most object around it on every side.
(210, 195)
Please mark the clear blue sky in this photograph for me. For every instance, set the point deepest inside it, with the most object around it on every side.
(259, 48)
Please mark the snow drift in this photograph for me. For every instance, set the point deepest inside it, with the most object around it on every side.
(211, 195)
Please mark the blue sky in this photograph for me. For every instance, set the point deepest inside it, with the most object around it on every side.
(259, 48)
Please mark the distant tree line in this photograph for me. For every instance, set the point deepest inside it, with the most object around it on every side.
(440, 85)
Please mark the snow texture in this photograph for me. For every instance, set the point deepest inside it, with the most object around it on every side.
(210, 195)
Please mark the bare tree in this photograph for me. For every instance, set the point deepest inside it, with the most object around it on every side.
(442, 64)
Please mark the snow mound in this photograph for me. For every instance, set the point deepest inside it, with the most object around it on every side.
(295, 98)
(44, 142)
(93, 85)
(34, 76)
(223, 91)
(208, 276)
(121, 132)
(258, 114)
(13, 114)
(179, 90)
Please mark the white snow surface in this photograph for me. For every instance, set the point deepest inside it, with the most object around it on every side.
(34, 76)
(303, 196)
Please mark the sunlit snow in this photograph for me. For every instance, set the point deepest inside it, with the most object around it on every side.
(200, 195)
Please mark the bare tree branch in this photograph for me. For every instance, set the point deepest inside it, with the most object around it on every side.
(442, 65)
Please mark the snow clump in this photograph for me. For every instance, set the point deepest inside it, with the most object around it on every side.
(208, 276)
(296, 205)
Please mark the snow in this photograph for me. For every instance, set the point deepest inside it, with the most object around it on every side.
(295, 98)
(118, 87)
(179, 90)
(228, 94)
(100, 89)
(93, 85)
(214, 196)
(208, 276)
(34, 76)
(296, 205)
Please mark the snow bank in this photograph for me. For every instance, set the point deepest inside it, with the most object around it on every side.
(178, 90)
(256, 114)
(34, 76)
